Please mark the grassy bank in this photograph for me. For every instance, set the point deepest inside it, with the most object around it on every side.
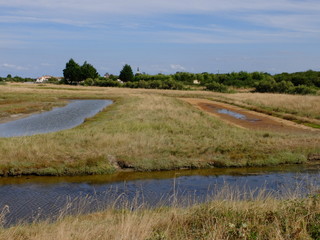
(144, 130)
(301, 109)
(224, 217)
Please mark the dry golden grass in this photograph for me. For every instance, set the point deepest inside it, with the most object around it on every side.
(224, 217)
(145, 129)
(301, 105)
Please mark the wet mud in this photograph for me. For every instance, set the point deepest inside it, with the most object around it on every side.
(249, 119)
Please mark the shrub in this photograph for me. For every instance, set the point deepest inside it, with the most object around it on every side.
(283, 87)
(155, 84)
(88, 82)
(107, 83)
(217, 87)
(303, 89)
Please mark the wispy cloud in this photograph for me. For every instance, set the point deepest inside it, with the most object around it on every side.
(162, 6)
(125, 30)
(306, 23)
(291, 15)
(14, 67)
(177, 67)
(91, 11)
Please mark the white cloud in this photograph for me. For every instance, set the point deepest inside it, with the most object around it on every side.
(295, 15)
(177, 67)
(12, 66)
(46, 29)
(161, 6)
(305, 23)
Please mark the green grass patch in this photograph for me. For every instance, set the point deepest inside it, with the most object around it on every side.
(313, 125)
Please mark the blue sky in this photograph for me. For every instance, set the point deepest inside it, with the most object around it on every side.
(38, 37)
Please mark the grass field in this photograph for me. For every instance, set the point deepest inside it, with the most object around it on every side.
(225, 216)
(300, 108)
(144, 130)
(302, 105)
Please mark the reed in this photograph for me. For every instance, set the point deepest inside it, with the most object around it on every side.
(229, 214)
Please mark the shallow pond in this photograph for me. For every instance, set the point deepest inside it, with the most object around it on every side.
(237, 115)
(32, 198)
(57, 119)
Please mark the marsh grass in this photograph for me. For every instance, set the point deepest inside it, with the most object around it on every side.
(144, 130)
(228, 214)
(306, 106)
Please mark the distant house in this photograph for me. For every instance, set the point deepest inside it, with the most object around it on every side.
(46, 78)
(120, 81)
(43, 79)
(196, 82)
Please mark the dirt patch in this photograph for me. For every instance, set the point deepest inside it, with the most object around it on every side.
(14, 117)
(248, 119)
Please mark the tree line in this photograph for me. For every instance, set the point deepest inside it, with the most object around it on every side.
(293, 83)
(307, 82)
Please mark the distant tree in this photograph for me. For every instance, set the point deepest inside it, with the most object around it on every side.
(72, 72)
(126, 74)
(9, 76)
(88, 71)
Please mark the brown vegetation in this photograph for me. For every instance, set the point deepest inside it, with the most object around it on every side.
(225, 216)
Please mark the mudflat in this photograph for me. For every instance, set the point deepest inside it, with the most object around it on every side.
(248, 119)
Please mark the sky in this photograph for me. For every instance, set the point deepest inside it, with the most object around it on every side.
(38, 37)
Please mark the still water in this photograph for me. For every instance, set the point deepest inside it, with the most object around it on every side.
(36, 198)
(237, 115)
(58, 119)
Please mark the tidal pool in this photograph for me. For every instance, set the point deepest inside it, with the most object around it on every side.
(237, 115)
(35, 198)
(57, 119)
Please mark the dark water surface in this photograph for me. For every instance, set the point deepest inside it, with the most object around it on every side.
(57, 119)
(34, 198)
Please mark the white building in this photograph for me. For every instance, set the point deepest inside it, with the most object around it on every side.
(45, 78)
(196, 82)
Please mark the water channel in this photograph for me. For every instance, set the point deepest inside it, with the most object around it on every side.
(36, 198)
(57, 119)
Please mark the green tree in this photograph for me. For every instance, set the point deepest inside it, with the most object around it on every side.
(72, 72)
(88, 71)
(126, 74)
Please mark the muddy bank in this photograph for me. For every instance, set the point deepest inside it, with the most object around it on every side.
(249, 119)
